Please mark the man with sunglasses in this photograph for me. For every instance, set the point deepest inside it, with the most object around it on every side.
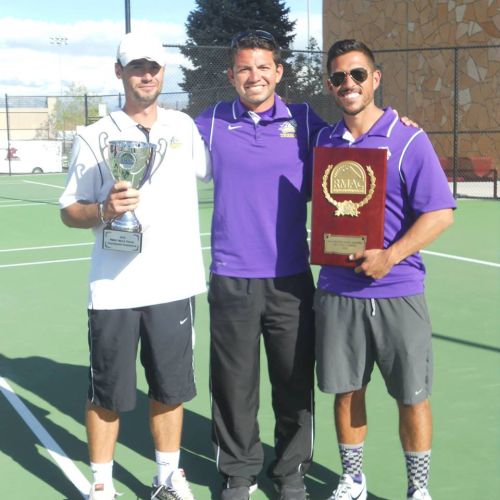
(261, 283)
(376, 312)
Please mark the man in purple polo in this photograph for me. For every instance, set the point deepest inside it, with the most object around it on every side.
(376, 312)
(260, 282)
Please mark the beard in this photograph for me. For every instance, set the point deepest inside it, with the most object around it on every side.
(145, 98)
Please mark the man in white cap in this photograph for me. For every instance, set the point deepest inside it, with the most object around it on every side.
(145, 296)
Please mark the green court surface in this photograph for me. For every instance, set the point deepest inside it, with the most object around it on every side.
(43, 367)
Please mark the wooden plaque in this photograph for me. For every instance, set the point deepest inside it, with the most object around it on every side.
(348, 203)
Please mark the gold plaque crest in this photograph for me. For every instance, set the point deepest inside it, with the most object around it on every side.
(348, 177)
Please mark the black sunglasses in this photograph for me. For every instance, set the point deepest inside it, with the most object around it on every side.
(259, 34)
(359, 75)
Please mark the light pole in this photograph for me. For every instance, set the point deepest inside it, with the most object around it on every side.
(127, 16)
(308, 25)
(60, 41)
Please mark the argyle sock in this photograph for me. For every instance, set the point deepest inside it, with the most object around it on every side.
(351, 456)
(417, 468)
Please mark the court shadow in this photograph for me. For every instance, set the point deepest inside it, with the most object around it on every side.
(320, 481)
(64, 387)
(196, 455)
(18, 443)
(467, 343)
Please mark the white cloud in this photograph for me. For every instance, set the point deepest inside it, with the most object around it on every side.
(315, 29)
(37, 67)
(34, 66)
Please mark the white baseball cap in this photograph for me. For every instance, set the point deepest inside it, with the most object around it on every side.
(140, 46)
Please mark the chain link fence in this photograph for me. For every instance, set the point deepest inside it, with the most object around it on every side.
(451, 92)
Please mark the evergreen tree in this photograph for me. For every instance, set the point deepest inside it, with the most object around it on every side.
(212, 24)
(307, 68)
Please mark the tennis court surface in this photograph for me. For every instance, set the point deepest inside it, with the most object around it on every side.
(43, 367)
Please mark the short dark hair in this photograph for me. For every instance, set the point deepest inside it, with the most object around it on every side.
(254, 39)
(344, 46)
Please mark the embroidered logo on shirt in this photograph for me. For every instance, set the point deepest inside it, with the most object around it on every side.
(232, 127)
(288, 129)
(175, 142)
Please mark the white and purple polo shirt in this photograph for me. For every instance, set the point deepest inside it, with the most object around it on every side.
(415, 184)
(261, 187)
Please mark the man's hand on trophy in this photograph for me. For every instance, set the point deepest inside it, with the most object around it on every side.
(121, 199)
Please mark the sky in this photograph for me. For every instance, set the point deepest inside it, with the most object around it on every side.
(45, 46)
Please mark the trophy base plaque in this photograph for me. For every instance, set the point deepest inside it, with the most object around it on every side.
(122, 241)
(348, 203)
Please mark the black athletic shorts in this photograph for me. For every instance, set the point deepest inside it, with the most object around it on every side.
(166, 335)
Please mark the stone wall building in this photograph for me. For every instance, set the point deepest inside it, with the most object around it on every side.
(426, 48)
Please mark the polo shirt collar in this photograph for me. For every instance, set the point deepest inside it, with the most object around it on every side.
(280, 110)
(124, 121)
(382, 127)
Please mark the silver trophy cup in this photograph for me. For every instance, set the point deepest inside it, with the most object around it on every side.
(128, 161)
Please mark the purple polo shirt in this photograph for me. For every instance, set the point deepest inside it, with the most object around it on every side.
(415, 184)
(260, 187)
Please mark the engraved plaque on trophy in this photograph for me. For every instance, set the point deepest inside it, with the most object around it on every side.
(348, 203)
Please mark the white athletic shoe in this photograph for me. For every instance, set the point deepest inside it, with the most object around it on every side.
(349, 489)
(101, 491)
(178, 488)
(420, 494)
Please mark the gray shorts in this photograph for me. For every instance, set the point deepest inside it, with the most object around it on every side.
(166, 351)
(354, 334)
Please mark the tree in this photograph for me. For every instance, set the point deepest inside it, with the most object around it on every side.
(70, 109)
(307, 68)
(212, 24)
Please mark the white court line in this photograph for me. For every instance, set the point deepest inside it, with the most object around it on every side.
(58, 261)
(46, 247)
(69, 469)
(29, 204)
(66, 245)
(465, 259)
(41, 262)
(47, 174)
(44, 184)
